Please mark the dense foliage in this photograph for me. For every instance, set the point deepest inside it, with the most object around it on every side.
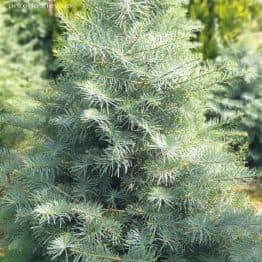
(241, 101)
(126, 168)
(69, 7)
(222, 19)
(22, 68)
(32, 20)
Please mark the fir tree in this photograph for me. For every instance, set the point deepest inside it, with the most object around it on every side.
(34, 25)
(240, 101)
(22, 69)
(69, 7)
(126, 169)
(32, 21)
(222, 19)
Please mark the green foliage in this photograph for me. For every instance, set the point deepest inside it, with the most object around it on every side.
(34, 25)
(242, 99)
(223, 19)
(256, 10)
(22, 71)
(70, 8)
(32, 20)
(126, 168)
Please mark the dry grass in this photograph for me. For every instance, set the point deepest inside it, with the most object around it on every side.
(254, 192)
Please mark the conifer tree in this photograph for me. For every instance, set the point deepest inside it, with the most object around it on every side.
(22, 70)
(32, 21)
(222, 20)
(125, 168)
(240, 102)
(69, 7)
(226, 24)
(34, 25)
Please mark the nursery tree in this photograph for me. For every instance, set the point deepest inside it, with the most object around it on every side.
(34, 25)
(32, 21)
(125, 168)
(22, 68)
(240, 102)
(69, 7)
(222, 20)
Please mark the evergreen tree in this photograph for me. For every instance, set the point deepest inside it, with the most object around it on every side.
(222, 19)
(241, 101)
(125, 168)
(32, 21)
(69, 7)
(256, 10)
(34, 25)
(22, 69)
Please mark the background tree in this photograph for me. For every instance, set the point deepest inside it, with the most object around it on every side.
(33, 24)
(126, 168)
(23, 56)
(240, 102)
(69, 7)
(223, 19)
(24, 67)
(226, 22)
